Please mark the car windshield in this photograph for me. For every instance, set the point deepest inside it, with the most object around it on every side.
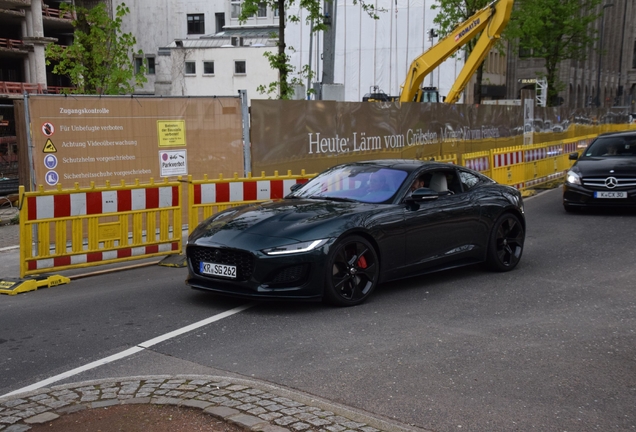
(364, 183)
(612, 146)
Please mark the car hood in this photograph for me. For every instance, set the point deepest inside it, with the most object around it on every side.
(275, 223)
(593, 167)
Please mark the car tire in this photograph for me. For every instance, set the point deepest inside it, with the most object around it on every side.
(505, 245)
(353, 271)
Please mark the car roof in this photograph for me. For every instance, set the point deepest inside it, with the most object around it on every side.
(408, 165)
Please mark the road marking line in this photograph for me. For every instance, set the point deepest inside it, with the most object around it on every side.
(130, 351)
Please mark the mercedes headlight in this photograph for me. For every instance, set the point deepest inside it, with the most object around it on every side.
(295, 247)
(573, 177)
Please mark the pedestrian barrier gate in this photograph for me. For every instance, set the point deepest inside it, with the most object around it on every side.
(74, 228)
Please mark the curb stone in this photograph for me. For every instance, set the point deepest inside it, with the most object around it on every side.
(250, 404)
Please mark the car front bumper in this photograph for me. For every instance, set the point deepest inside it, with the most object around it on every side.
(295, 276)
(581, 196)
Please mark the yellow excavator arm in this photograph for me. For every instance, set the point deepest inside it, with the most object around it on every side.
(490, 21)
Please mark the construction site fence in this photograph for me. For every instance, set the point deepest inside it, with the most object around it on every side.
(82, 227)
(526, 167)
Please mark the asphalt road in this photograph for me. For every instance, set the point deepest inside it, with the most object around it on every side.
(550, 346)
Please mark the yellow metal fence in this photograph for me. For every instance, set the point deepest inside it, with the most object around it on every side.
(74, 228)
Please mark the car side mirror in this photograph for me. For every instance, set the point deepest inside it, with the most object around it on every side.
(574, 156)
(423, 194)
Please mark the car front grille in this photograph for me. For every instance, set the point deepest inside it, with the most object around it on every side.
(602, 182)
(244, 261)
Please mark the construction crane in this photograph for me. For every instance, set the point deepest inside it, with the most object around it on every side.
(490, 21)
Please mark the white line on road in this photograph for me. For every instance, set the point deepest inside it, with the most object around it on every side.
(130, 351)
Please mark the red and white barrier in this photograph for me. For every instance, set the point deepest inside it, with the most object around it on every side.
(570, 147)
(506, 159)
(209, 193)
(478, 164)
(67, 205)
(101, 202)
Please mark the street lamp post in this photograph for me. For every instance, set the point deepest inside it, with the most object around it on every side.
(600, 55)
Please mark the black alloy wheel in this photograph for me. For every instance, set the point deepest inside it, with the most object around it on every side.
(506, 243)
(352, 272)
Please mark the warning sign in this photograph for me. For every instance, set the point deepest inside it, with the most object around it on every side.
(171, 133)
(48, 129)
(49, 147)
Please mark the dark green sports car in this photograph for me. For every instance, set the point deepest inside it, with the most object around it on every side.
(354, 226)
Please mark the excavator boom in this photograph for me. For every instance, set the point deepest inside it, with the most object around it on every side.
(489, 21)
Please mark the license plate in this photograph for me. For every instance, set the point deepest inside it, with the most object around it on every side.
(610, 194)
(222, 270)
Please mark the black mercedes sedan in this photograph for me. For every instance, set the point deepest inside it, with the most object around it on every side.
(336, 237)
(604, 175)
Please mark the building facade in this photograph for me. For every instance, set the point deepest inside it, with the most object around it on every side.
(605, 78)
(198, 47)
(368, 52)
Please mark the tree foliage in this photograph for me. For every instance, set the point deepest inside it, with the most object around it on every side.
(283, 88)
(450, 14)
(100, 60)
(554, 30)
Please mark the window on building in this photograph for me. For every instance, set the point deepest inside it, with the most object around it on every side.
(220, 21)
(262, 10)
(235, 6)
(276, 10)
(190, 68)
(150, 65)
(208, 68)
(634, 57)
(139, 64)
(196, 24)
(239, 67)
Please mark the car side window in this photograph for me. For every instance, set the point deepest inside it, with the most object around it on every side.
(468, 180)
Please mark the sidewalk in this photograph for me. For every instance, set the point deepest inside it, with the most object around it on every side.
(9, 233)
(250, 404)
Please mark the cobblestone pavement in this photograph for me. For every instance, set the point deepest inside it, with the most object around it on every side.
(253, 405)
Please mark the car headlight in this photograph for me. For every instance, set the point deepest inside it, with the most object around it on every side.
(295, 247)
(573, 177)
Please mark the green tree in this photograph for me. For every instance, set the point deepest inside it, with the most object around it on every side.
(450, 14)
(280, 60)
(100, 60)
(554, 30)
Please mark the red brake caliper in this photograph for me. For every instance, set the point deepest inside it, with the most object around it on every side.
(362, 262)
